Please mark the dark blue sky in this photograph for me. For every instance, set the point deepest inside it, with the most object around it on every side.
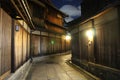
(60, 3)
(70, 7)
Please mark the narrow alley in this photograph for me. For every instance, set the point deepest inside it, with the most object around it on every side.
(59, 39)
(55, 68)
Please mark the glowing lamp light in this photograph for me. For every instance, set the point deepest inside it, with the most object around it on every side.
(68, 37)
(52, 42)
(90, 34)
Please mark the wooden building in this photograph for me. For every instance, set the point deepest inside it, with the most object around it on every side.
(28, 28)
(98, 36)
(14, 43)
(47, 38)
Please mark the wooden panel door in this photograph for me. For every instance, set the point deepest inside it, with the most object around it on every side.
(18, 47)
(36, 45)
(83, 42)
(44, 45)
(75, 45)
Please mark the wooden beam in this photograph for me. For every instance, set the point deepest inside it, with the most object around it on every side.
(55, 25)
(39, 3)
(18, 18)
(24, 13)
(17, 9)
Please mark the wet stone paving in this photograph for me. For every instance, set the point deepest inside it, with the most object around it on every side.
(55, 68)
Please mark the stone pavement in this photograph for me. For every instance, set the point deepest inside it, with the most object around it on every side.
(55, 68)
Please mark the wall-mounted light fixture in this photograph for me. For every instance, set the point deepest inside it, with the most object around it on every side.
(90, 34)
(68, 36)
(17, 28)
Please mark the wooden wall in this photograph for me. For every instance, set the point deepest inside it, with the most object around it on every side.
(75, 47)
(36, 46)
(53, 28)
(55, 17)
(5, 42)
(101, 53)
(63, 45)
(44, 43)
(75, 43)
(21, 44)
(14, 45)
(107, 36)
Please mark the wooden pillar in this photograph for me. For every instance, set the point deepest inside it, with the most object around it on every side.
(55, 45)
(0, 36)
(27, 45)
(31, 46)
(94, 40)
(40, 43)
(118, 55)
(22, 61)
(65, 45)
(48, 43)
(12, 47)
(61, 44)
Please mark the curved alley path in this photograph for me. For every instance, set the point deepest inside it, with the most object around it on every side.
(55, 68)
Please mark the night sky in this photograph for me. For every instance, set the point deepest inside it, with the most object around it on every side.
(70, 7)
